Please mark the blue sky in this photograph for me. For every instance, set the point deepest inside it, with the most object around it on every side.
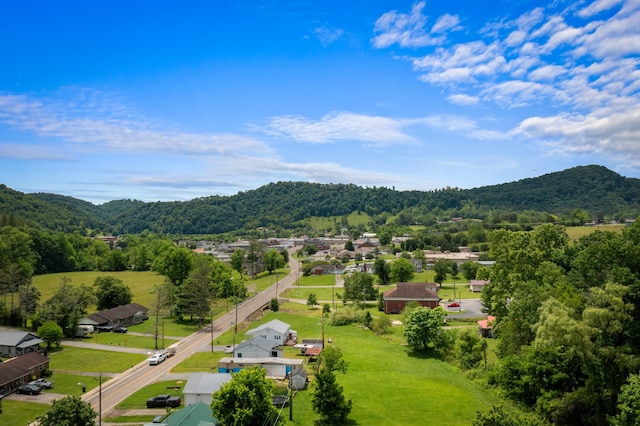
(167, 101)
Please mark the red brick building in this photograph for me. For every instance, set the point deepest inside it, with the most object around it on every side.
(396, 299)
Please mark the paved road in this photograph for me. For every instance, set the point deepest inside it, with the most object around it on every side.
(104, 399)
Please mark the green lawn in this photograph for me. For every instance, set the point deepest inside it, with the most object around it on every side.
(315, 280)
(71, 384)
(140, 283)
(94, 361)
(139, 398)
(200, 362)
(383, 375)
(128, 340)
(21, 413)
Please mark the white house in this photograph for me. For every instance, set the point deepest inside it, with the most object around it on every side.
(274, 330)
(257, 347)
(201, 386)
(17, 342)
(477, 285)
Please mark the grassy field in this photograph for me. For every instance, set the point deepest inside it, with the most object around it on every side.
(383, 375)
(71, 384)
(92, 360)
(21, 413)
(575, 232)
(140, 283)
(328, 223)
(139, 399)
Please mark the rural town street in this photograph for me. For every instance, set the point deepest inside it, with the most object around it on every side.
(104, 398)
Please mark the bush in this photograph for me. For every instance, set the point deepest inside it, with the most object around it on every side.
(346, 316)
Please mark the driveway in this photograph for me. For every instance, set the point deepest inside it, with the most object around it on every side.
(469, 308)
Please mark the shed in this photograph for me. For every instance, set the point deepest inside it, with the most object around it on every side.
(485, 326)
(201, 386)
(477, 285)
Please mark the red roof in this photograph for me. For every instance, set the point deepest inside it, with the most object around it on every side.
(312, 351)
(486, 323)
(413, 291)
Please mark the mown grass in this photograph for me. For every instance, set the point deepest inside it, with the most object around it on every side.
(92, 360)
(139, 399)
(328, 223)
(130, 419)
(316, 280)
(15, 412)
(71, 384)
(129, 341)
(576, 232)
(200, 362)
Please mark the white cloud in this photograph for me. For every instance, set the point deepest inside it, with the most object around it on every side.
(462, 99)
(341, 126)
(102, 126)
(446, 23)
(597, 7)
(31, 152)
(328, 35)
(613, 135)
(406, 30)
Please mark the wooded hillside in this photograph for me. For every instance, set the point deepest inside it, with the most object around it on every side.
(595, 190)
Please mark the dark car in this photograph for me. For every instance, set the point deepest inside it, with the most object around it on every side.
(120, 330)
(28, 389)
(104, 328)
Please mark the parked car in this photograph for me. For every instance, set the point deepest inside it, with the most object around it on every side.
(120, 329)
(43, 383)
(104, 328)
(164, 400)
(453, 305)
(157, 358)
(28, 389)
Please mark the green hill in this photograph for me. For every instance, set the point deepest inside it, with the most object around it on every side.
(289, 205)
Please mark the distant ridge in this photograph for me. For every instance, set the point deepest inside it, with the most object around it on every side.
(593, 189)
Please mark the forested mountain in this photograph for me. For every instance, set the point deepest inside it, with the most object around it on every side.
(593, 189)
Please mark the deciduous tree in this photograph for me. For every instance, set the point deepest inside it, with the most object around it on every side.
(246, 400)
(423, 328)
(111, 292)
(69, 411)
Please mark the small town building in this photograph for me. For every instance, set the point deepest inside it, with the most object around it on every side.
(395, 300)
(477, 285)
(485, 326)
(257, 347)
(16, 342)
(20, 370)
(278, 368)
(275, 330)
(123, 315)
(201, 386)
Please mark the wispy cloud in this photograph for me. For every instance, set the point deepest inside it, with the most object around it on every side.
(103, 126)
(586, 70)
(328, 35)
(409, 30)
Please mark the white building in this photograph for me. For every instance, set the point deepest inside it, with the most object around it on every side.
(201, 386)
(274, 330)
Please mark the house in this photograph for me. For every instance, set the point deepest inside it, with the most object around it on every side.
(298, 378)
(485, 326)
(123, 315)
(276, 331)
(278, 368)
(20, 370)
(201, 386)
(431, 286)
(199, 414)
(477, 285)
(395, 300)
(15, 342)
(258, 347)
(328, 269)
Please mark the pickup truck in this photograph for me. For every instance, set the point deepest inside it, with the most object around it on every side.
(164, 400)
